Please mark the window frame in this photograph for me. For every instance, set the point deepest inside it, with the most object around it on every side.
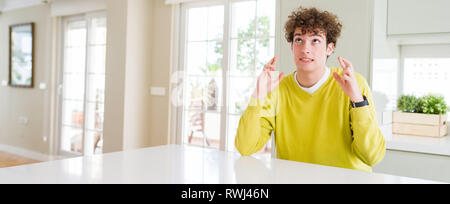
(63, 22)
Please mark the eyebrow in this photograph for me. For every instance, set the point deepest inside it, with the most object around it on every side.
(313, 35)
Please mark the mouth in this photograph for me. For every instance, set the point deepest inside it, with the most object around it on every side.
(306, 60)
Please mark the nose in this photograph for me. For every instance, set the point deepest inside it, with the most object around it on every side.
(306, 49)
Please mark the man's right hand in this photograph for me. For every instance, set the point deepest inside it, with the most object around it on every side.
(268, 79)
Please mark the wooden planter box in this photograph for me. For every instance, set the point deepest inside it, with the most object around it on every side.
(419, 124)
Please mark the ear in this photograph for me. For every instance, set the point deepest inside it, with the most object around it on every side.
(330, 49)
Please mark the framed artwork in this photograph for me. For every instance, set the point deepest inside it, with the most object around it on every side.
(21, 55)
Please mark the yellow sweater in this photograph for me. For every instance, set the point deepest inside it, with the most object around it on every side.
(320, 128)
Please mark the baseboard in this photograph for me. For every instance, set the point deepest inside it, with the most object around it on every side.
(27, 153)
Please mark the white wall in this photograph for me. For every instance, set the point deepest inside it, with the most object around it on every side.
(34, 103)
(138, 72)
(138, 57)
(115, 75)
(160, 72)
(382, 46)
(418, 17)
(417, 21)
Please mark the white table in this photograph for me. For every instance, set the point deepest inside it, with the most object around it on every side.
(183, 164)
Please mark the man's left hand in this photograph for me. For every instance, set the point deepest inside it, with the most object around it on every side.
(348, 81)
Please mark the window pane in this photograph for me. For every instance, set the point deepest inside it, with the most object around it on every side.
(97, 59)
(215, 23)
(243, 19)
(215, 56)
(202, 128)
(196, 58)
(94, 119)
(264, 53)
(74, 60)
(92, 142)
(71, 140)
(203, 91)
(243, 57)
(266, 18)
(96, 88)
(202, 111)
(98, 31)
(427, 75)
(73, 86)
(197, 29)
(76, 34)
(73, 113)
(241, 89)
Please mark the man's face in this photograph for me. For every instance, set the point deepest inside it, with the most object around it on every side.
(310, 50)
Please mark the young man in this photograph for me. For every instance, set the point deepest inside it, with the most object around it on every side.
(319, 115)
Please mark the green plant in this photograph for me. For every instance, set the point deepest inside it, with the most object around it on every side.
(408, 103)
(433, 104)
(429, 104)
(247, 49)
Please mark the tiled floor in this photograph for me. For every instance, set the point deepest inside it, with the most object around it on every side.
(9, 160)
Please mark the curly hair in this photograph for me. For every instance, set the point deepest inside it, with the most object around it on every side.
(312, 20)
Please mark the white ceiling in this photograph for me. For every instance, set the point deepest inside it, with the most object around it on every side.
(7, 5)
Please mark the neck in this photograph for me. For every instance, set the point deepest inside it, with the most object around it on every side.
(309, 78)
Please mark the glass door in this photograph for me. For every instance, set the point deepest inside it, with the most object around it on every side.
(225, 45)
(83, 84)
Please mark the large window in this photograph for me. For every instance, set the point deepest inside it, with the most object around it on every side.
(83, 84)
(427, 75)
(423, 69)
(426, 69)
(225, 45)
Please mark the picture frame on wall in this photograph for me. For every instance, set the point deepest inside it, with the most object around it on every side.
(21, 55)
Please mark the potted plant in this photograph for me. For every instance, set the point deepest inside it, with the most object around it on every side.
(425, 116)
